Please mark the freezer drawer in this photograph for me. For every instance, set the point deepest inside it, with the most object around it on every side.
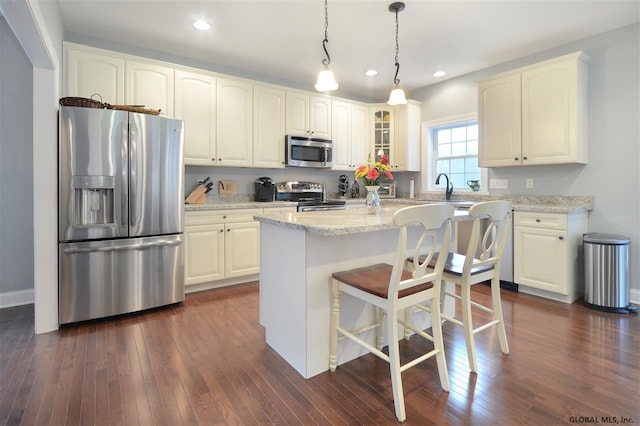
(103, 278)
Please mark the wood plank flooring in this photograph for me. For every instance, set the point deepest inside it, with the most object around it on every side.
(205, 362)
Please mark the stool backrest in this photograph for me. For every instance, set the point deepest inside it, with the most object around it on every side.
(489, 245)
(435, 220)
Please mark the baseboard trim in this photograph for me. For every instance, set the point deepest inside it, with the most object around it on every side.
(634, 296)
(16, 298)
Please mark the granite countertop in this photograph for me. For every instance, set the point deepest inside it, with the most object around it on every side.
(232, 205)
(341, 222)
(542, 204)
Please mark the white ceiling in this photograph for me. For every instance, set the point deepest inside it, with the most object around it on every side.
(283, 39)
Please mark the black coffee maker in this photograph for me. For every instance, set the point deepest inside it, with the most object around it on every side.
(265, 189)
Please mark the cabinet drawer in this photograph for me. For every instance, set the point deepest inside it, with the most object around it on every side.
(541, 220)
(220, 216)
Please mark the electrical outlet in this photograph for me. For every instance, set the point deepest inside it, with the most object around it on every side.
(529, 183)
(498, 183)
(228, 187)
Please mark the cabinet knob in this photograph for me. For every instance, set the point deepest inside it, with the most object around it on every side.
(222, 230)
(561, 237)
(224, 217)
(228, 229)
(538, 220)
(517, 159)
(524, 158)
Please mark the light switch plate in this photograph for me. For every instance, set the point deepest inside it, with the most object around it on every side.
(228, 187)
(498, 183)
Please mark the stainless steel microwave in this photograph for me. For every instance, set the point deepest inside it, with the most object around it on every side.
(304, 151)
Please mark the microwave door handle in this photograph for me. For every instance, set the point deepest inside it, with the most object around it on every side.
(326, 157)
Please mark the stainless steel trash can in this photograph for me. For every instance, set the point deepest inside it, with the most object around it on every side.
(606, 272)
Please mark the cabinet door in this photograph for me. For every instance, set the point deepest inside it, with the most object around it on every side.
(320, 117)
(406, 144)
(297, 114)
(541, 259)
(242, 249)
(149, 85)
(383, 133)
(549, 114)
(195, 103)
(234, 123)
(204, 253)
(89, 73)
(268, 127)
(360, 143)
(499, 122)
(341, 135)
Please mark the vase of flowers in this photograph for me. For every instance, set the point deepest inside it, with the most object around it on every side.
(371, 173)
(373, 199)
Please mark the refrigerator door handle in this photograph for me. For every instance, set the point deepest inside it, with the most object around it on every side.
(124, 190)
(140, 246)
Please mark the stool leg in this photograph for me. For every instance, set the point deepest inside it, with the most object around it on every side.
(380, 317)
(335, 318)
(497, 314)
(467, 320)
(394, 364)
(438, 342)
(407, 318)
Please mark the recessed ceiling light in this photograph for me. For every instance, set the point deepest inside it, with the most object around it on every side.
(201, 24)
(371, 73)
(439, 74)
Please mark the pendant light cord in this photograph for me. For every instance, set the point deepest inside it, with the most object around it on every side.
(327, 61)
(395, 79)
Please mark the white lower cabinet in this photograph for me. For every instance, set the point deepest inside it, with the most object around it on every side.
(221, 245)
(547, 254)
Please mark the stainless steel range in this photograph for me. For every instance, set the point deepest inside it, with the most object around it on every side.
(310, 196)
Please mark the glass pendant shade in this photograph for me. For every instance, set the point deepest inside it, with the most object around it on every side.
(326, 81)
(397, 97)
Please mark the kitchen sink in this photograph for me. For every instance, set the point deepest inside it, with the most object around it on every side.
(458, 204)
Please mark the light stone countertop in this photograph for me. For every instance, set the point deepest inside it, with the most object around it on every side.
(542, 204)
(232, 205)
(341, 222)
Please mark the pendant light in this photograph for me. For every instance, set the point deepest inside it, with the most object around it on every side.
(326, 80)
(397, 96)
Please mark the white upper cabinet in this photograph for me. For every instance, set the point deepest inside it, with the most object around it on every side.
(350, 134)
(396, 133)
(535, 115)
(407, 137)
(234, 123)
(88, 73)
(308, 115)
(195, 104)
(150, 85)
(360, 134)
(268, 126)
(499, 119)
(341, 135)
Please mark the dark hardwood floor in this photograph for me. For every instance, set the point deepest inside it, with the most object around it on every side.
(205, 362)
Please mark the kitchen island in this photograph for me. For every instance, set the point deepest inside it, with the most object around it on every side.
(299, 252)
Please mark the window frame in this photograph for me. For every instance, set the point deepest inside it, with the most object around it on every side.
(429, 160)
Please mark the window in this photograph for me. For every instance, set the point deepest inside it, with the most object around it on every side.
(454, 148)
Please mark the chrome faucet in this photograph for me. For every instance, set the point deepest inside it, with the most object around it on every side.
(449, 188)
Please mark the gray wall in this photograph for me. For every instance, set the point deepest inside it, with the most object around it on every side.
(16, 165)
(612, 175)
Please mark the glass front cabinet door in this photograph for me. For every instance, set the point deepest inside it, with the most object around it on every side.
(382, 132)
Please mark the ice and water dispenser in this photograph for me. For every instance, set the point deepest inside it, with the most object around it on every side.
(93, 200)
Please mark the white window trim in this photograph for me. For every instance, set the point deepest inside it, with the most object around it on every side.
(428, 160)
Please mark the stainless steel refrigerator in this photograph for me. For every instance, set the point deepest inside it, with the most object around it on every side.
(121, 212)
